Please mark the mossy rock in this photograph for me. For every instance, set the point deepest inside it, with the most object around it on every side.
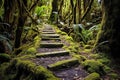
(93, 66)
(4, 58)
(104, 61)
(26, 70)
(107, 69)
(114, 76)
(93, 76)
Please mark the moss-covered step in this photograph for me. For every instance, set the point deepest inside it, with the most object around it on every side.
(63, 64)
(48, 32)
(50, 35)
(51, 45)
(45, 38)
(52, 54)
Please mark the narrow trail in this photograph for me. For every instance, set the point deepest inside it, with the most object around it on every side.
(52, 56)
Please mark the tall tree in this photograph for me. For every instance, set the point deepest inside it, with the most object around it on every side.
(21, 21)
(109, 36)
(54, 11)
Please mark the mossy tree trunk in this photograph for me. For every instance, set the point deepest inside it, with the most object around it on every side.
(60, 9)
(79, 10)
(21, 22)
(109, 35)
(73, 10)
(9, 15)
(54, 11)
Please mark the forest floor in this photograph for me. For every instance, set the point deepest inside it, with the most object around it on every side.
(64, 57)
(66, 71)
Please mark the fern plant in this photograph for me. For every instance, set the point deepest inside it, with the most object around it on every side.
(6, 43)
(41, 11)
(85, 35)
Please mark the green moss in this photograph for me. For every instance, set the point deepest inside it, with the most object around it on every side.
(27, 70)
(93, 66)
(87, 50)
(31, 50)
(80, 57)
(41, 71)
(107, 69)
(95, 56)
(82, 44)
(64, 63)
(69, 38)
(63, 33)
(2, 70)
(91, 42)
(87, 46)
(37, 40)
(27, 56)
(72, 49)
(93, 76)
(4, 58)
(114, 76)
(104, 61)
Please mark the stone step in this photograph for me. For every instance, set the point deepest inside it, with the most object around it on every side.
(52, 54)
(51, 45)
(45, 38)
(63, 64)
(50, 36)
(48, 32)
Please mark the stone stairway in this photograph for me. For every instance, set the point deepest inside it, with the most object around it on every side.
(52, 56)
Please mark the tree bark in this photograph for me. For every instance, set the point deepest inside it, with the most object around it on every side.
(54, 10)
(21, 22)
(109, 35)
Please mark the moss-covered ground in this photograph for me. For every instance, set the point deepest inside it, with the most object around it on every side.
(20, 67)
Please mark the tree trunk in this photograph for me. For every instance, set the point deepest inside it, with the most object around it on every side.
(79, 10)
(54, 11)
(109, 36)
(21, 21)
(9, 11)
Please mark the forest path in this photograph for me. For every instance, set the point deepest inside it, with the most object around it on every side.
(52, 56)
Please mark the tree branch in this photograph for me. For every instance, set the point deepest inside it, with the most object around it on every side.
(33, 5)
(87, 10)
